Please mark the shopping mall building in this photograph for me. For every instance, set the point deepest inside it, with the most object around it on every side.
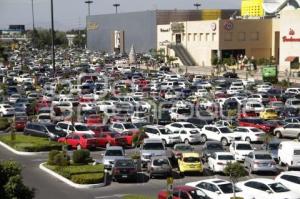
(265, 28)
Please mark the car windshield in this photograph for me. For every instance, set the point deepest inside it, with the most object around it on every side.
(51, 128)
(243, 147)
(153, 146)
(227, 188)
(274, 146)
(263, 157)
(160, 162)
(255, 130)
(191, 126)
(225, 157)
(124, 163)
(225, 130)
(129, 126)
(184, 111)
(164, 132)
(79, 127)
(197, 194)
(113, 153)
(191, 159)
(43, 117)
(183, 148)
(214, 146)
(296, 102)
(278, 187)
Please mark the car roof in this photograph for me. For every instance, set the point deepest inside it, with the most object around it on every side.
(215, 181)
(155, 126)
(151, 140)
(114, 148)
(184, 188)
(223, 153)
(190, 154)
(260, 152)
(263, 180)
(294, 173)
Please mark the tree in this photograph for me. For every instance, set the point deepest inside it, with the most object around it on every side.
(234, 171)
(79, 41)
(11, 182)
(42, 38)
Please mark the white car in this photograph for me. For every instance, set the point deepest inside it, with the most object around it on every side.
(240, 149)
(262, 98)
(178, 114)
(235, 90)
(121, 127)
(291, 179)
(170, 95)
(267, 189)
(293, 103)
(139, 117)
(6, 110)
(189, 136)
(103, 106)
(13, 98)
(177, 126)
(160, 132)
(250, 134)
(293, 90)
(182, 104)
(254, 106)
(77, 127)
(219, 133)
(218, 161)
(202, 92)
(87, 106)
(218, 189)
(263, 88)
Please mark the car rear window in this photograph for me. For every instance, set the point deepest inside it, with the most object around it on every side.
(160, 162)
(296, 152)
(191, 159)
(263, 157)
(226, 157)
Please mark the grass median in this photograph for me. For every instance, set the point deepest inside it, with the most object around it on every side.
(80, 174)
(30, 144)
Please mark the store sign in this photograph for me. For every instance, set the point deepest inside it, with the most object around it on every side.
(92, 26)
(177, 27)
(290, 38)
(228, 25)
(165, 30)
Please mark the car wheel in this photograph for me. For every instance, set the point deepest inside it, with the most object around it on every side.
(186, 141)
(78, 147)
(278, 134)
(224, 141)
(248, 139)
(203, 138)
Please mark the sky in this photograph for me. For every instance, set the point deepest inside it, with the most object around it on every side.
(70, 14)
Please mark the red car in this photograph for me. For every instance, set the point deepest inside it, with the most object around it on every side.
(42, 104)
(99, 128)
(246, 114)
(126, 138)
(183, 192)
(107, 139)
(20, 122)
(257, 123)
(94, 119)
(79, 141)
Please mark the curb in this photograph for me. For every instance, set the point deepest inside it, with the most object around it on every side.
(69, 182)
(20, 152)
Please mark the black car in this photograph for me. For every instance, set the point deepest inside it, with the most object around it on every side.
(46, 130)
(124, 169)
(211, 147)
(230, 75)
(288, 112)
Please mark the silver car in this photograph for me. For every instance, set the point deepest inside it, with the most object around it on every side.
(260, 161)
(151, 148)
(112, 153)
(291, 130)
(160, 166)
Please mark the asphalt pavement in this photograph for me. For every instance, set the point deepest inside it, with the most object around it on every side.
(47, 187)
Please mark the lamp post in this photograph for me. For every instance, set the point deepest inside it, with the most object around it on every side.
(33, 26)
(197, 5)
(53, 38)
(116, 5)
(89, 2)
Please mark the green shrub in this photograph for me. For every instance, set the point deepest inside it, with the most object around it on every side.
(51, 156)
(90, 178)
(81, 156)
(61, 159)
(4, 123)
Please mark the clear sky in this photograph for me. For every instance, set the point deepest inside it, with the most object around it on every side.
(70, 14)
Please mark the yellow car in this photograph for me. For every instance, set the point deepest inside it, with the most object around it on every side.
(268, 114)
(190, 162)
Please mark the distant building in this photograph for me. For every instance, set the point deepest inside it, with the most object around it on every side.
(14, 32)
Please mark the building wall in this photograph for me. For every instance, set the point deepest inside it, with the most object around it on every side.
(253, 35)
(289, 20)
(139, 30)
(252, 8)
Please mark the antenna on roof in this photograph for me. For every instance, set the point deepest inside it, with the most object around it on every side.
(233, 16)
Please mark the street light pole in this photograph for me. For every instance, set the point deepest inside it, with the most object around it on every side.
(197, 5)
(53, 38)
(116, 5)
(89, 2)
(33, 26)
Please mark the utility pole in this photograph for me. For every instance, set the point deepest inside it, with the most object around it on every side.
(197, 5)
(33, 26)
(89, 2)
(116, 5)
(53, 39)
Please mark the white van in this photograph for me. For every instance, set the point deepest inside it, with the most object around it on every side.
(289, 154)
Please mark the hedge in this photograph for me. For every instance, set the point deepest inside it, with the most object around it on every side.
(30, 143)
(81, 156)
(81, 174)
(4, 123)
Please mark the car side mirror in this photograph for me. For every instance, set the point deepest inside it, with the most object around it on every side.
(269, 191)
(218, 192)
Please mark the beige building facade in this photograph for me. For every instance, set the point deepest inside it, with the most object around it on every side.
(258, 38)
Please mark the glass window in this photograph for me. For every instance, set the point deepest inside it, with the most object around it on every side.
(294, 179)
(227, 188)
(242, 36)
(278, 187)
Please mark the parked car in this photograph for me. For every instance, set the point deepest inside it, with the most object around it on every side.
(290, 130)
(272, 147)
(151, 147)
(79, 141)
(289, 154)
(186, 192)
(6, 110)
(190, 162)
(20, 122)
(240, 149)
(46, 130)
(219, 160)
(291, 179)
(260, 161)
(250, 134)
(210, 147)
(159, 166)
(257, 123)
(124, 169)
(112, 153)
(266, 188)
(268, 114)
(160, 132)
(178, 149)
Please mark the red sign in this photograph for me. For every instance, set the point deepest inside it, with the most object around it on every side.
(228, 25)
(290, 38)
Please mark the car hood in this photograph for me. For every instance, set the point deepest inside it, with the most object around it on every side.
(243, 152)
(108, 159)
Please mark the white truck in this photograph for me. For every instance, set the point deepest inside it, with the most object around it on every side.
(289, 154)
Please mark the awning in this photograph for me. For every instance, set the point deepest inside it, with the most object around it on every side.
(290, 58)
